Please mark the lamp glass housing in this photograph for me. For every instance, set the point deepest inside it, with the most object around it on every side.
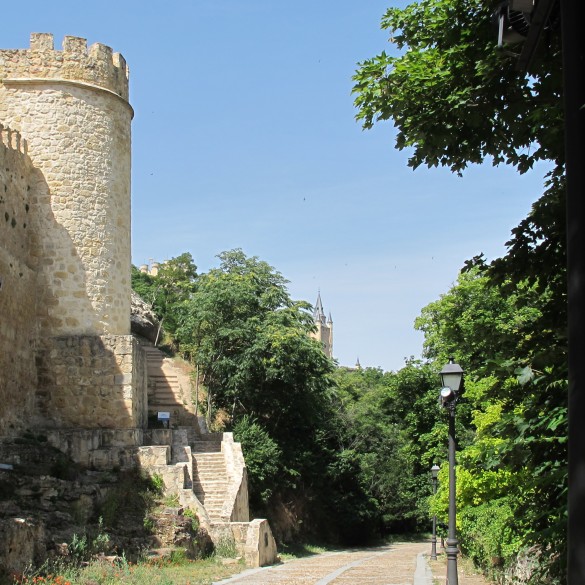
(451, 375)
(435, 471)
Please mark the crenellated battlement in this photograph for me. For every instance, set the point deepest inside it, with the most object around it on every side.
(12, 139)
(98, 66)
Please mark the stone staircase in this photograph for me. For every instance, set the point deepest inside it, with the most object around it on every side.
(205, 470)
(211, 481)
(169, 389)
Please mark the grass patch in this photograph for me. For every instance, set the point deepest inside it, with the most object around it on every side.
(101, 572)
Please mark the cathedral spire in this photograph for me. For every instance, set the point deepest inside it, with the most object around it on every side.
(318, 312)
(324, 327)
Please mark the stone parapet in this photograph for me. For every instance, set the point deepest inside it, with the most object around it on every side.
(236, 507)
(254, 540)
(99, 66)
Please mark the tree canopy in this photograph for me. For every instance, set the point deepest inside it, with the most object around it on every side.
(454, 96)
(457, 99)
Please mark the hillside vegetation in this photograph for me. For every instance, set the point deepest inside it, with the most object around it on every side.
(345, 455)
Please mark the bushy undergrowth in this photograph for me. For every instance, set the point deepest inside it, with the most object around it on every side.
(488, 534)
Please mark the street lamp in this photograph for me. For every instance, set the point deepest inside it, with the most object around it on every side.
(434, 473)
(451, 377)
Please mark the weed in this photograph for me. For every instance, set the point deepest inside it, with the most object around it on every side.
(122, 572)
(225, 547)
(194, 519)
(82, 548)
(157, 484)
(178, 557)
(148, 524)
(171, 500)
(78, 548)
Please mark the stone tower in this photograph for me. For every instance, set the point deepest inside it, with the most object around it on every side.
(324, 325)
(65, 249)
(71, 107)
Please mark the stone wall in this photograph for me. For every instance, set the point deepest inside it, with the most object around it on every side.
(90, 382)
(71, 106)
(18, 287)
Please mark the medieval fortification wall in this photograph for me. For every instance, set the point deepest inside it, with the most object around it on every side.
(71, 373)
(18, 288)
(67, 359)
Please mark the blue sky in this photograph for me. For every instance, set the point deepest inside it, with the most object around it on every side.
(244, 136)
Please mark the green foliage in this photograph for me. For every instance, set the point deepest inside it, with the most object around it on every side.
(263, 458)
(250, 340)
(169, 289)
(171, 500)
(517, 413)
(84, 547)
(454, 97)
(490, 533)
(157, 484)
(388, 426)
(129, 499)
(248, 336)
(194, 519)
(102, 572)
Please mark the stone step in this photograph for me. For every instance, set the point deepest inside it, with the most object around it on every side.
(209, 482)
(209, 499)
(214, 500)
(203, 447)
(165, 399)
(212, 505)
(165, 386)
(163, 391)
(207, 457)
(161, 378)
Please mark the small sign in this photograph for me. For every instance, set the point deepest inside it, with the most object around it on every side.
(164, 417)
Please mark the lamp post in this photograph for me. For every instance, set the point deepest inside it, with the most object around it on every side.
(434, 474)
(451, 377)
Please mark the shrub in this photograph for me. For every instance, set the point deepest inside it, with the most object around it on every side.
(488, 534)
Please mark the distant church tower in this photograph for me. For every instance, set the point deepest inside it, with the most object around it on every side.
(324, 332)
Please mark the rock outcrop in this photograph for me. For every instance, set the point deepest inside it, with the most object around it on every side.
(143, 321)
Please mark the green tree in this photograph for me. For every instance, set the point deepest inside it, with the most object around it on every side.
(261, 367)
(251, 340)
(517, 456)
(168, 290)
(456, 99)
(390, 424)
